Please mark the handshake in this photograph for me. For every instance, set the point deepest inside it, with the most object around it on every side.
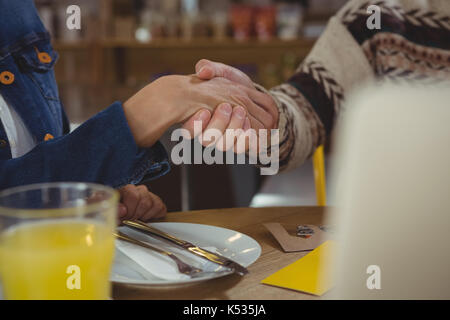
(218, 97)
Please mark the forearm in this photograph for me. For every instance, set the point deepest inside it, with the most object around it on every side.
(174, 99)
(101, 150)
(300, 129)
(410, 46)
(310, 102)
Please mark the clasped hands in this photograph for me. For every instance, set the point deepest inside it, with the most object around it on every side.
(219, 96)
(249, 108)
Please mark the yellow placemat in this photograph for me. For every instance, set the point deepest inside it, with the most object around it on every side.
(311, 274)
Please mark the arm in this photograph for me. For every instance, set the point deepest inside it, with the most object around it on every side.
(347, 55)
(308, 103)
(101, 150)
(120, 145)
(311, 100)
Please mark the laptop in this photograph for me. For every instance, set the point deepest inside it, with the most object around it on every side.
(391, 182)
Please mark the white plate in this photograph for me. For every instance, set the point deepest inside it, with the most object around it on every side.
(231, 244)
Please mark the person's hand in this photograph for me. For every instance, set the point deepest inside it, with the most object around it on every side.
(174, 99)
(225, 117)
(206, 70)
(263, 117)
(137, 203)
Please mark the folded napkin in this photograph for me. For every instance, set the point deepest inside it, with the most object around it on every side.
(153, 264)
(311, 274)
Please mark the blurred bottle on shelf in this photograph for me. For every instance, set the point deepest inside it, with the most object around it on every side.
(157, 20)
(289, 20)
(190, 18)
(215, 13)
(265, 22)
(170, 10)
(242, 18)
(144, 30)
(151, 21)
(219, 25)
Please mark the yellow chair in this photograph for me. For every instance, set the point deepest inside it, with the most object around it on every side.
(319, 176)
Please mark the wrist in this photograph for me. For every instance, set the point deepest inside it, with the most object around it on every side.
(170, 97)
(147, 118)
(275, 105)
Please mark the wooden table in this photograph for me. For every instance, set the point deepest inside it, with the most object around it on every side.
(248, 221)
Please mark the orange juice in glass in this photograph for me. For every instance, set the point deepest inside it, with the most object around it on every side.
(56, 241)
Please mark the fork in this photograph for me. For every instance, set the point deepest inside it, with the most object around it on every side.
(182, 266)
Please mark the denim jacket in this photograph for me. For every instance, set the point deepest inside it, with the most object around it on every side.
(101, 150)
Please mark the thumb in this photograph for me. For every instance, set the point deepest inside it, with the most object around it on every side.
(206, 70)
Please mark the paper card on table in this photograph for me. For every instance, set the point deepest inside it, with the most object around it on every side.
(293, 243)
(311, 274)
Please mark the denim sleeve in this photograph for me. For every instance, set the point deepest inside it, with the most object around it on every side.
(102, 150)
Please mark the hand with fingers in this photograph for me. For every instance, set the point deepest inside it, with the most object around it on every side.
(138, 203)
(224, 118)
(175, 99)
(262, 113)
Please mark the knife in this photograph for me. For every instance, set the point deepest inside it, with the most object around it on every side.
(205, 254)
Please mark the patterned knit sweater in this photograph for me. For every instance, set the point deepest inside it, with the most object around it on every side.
(412, 44)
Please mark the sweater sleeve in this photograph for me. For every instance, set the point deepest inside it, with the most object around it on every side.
(349, 54)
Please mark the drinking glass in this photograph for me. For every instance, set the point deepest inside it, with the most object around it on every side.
(56, 241)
